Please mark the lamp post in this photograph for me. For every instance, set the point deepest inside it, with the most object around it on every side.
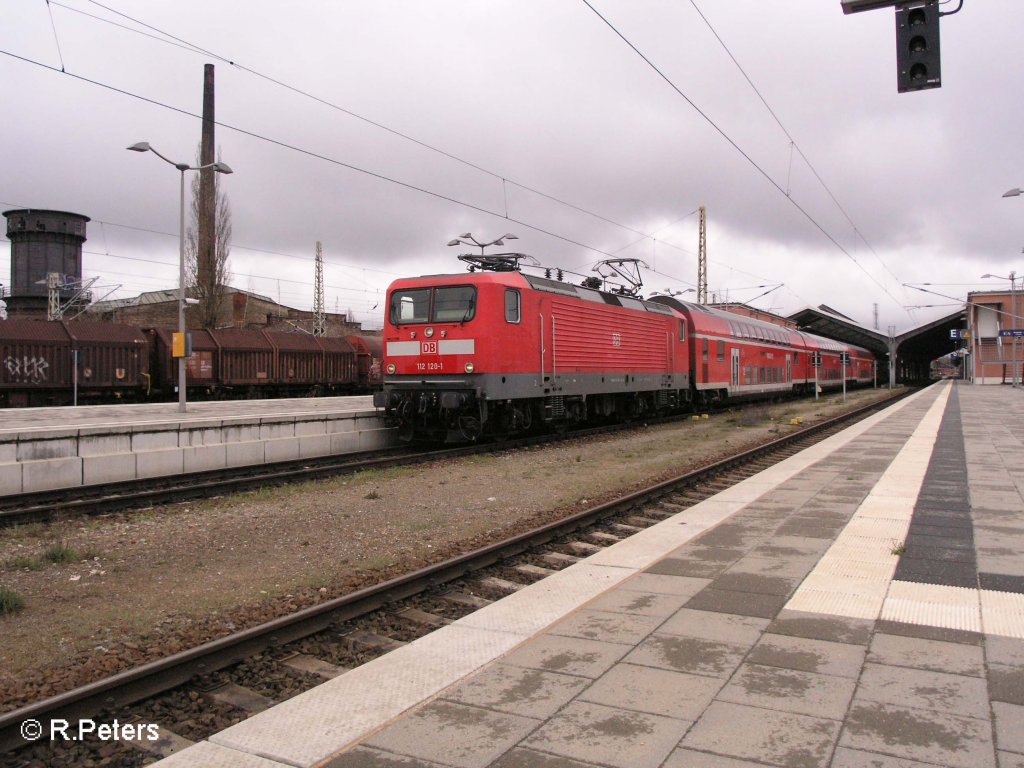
(143, 146)
(1013, 320)
(467, 238)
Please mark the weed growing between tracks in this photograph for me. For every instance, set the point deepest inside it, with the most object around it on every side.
(10, 601)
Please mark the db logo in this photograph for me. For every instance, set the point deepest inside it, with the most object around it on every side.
(428, 347)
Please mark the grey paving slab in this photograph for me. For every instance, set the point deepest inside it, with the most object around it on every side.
(769, 736)
(453, 734)
(789, 546)
(954, 694)
(1009, 722)
(789, 690)
(806, 655)
(954, 658)
(688, 654)
(919, 734)
(816, 626)
(731, 535)
(757, 583)
(739, 603)
(608, 736)
(784, 567)
(652, 690)
(940, 634)
(568, 655)
(722, 627)
(811, 530)
(688, 758)
(1006, 683)
(1004, 650)
(518, 690)
(685, 586)
(607, 627)
(1002, 582)
(528, 758)
(642, 603)
(686, 565)
(1010, 759)
(854, 758)
(364, 757)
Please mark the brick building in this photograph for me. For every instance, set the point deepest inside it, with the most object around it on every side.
(992, 355)
(240, 309)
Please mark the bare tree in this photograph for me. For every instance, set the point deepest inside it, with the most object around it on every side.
(209, 291)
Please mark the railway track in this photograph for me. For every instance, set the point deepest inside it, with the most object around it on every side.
(226, 680)
(48, 506)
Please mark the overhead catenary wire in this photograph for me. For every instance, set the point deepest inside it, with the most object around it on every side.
(794, 146)
(177, 41)
(721, 131)
(189, 46)
(171, 39)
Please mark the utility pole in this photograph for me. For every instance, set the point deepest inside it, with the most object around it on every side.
(320, 319)
(206, 274)
(702, 259)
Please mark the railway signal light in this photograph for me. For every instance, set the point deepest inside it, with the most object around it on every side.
(917, 46)
(917, 39)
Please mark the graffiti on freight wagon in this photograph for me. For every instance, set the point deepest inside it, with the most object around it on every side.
(26, 369)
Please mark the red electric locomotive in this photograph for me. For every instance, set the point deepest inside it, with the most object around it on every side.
(498, 351)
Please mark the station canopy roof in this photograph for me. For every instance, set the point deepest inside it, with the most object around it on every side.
(923, 343)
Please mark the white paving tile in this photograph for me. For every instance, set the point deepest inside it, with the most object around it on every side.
(533, 608)
(314, 725)
(210, 755)
(845, 587)
(1002, 613)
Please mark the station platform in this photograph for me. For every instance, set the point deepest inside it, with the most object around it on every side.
(859, 604)
(45, 449)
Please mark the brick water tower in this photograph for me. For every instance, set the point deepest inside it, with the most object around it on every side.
(42, 242)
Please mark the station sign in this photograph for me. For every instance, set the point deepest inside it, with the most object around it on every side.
(1012, 332)
(959, 333)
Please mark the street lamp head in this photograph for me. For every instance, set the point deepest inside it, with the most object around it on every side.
(142, 146)
(1012, 193)
(222, 168)
(454, 242)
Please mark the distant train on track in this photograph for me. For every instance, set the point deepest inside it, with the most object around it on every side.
(57, 363)
(496, 352)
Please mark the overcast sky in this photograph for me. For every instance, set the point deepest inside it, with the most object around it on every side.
(384, 129)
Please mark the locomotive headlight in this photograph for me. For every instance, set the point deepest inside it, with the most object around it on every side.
(470, 367)
(428, 332)
(392, 368)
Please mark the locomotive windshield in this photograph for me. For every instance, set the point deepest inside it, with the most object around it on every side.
(447, 304)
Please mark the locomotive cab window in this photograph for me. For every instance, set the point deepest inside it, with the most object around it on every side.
(449, 304)
(412, 306)
(512, 306)
(456, 304)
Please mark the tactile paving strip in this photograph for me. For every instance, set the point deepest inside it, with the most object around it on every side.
(858, 577)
